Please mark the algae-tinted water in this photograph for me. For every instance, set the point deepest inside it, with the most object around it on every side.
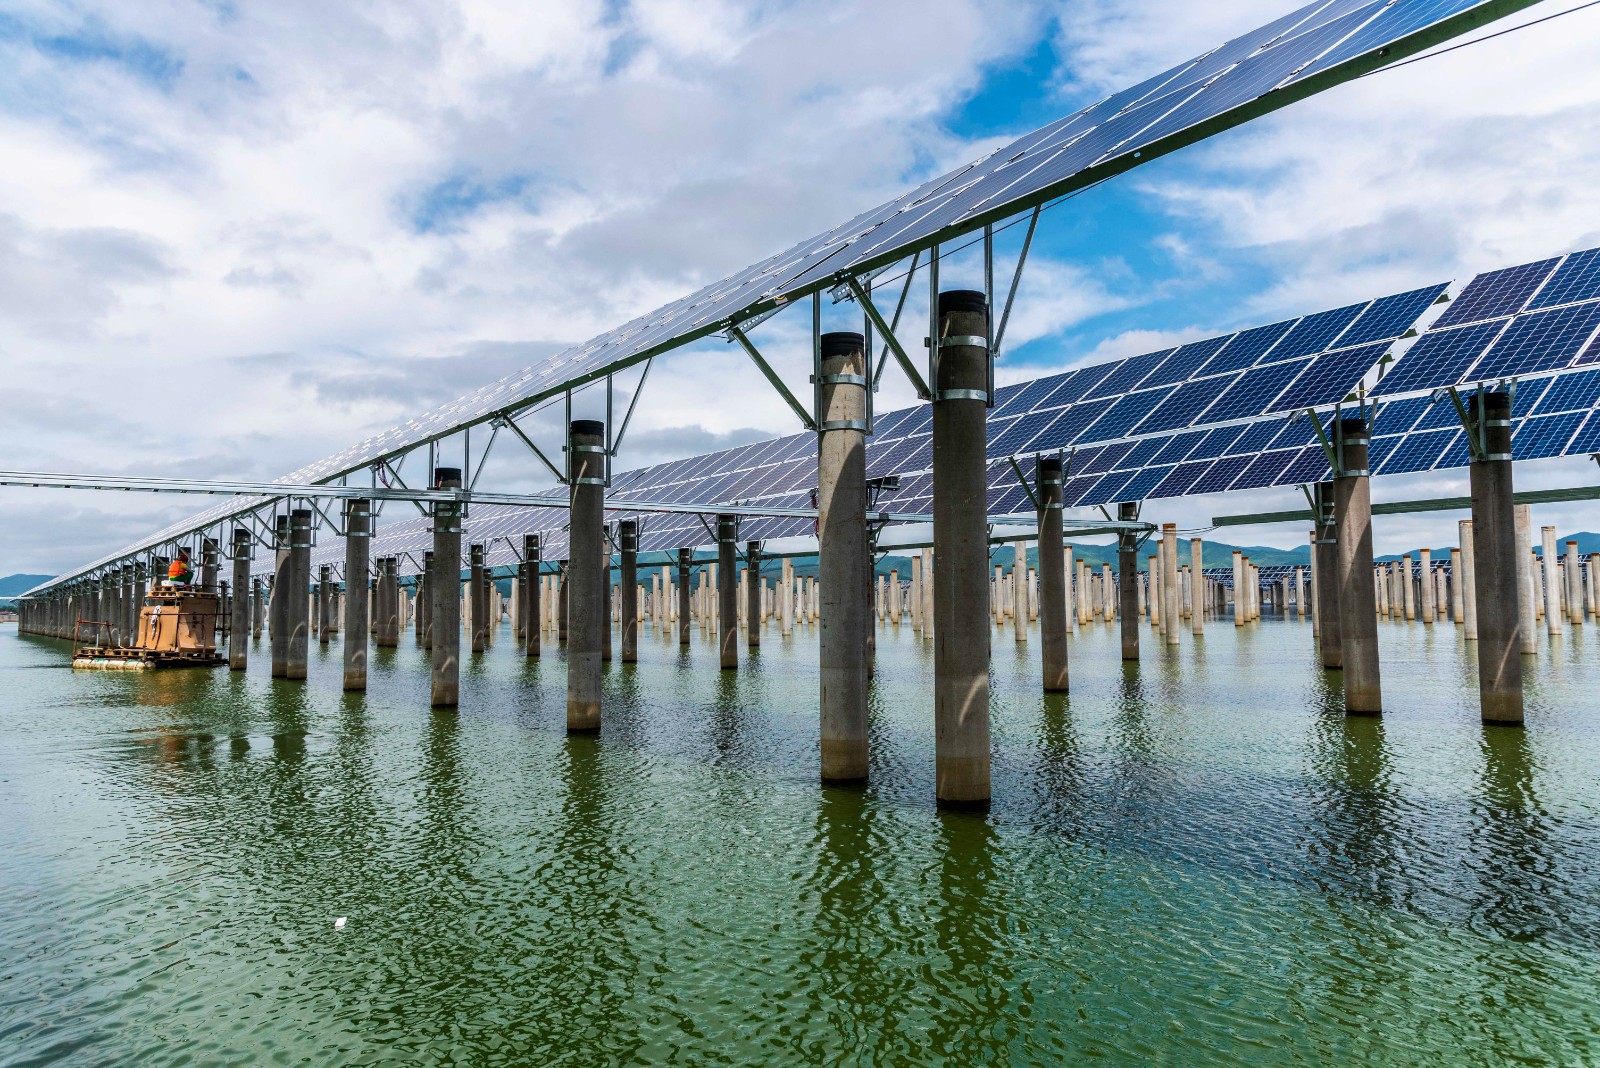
(1200, 860)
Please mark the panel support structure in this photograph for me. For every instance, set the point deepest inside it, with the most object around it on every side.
(1358, 607)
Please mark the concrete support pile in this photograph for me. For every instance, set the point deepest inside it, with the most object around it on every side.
(844, 556)
(1496, 563)
(1358, 621)
(1052, 577)
(444, 586)
(586, 602)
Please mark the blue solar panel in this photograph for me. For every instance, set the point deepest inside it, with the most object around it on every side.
(1540, 341)
(1125, 413)
(1216, 442)
(1078, 418)
(1014, 436)
(1416, 452)
(1178, 446)
(1183, 406)
(1294, 433)
(1144, 452)
(1396, 417)
(1439, 357)
(1182, 477)
(1588, 438)
(1381, 449)
(1265, 469)
(1316, 333)
(1077, 385)
(1247, 348)
(1496, 293)
(1578, 278)
(1570, 393)
(1023, 399)
(1390, 317)
(1456, 454)
(1527, 394)
(1105, 491)
(1185, 361)
(1329, 379)
(1254, 392)
(1221, 475)
(1309, 465)
(1072, 493)
(1105, 460)
(1128, 374)
(1256, 438)
(1139, 487)
(1542, 436)
(1440, 415)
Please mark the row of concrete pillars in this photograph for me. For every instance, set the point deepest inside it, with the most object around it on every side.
(957, 607)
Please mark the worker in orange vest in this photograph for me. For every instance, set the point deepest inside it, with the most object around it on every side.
(178, 571)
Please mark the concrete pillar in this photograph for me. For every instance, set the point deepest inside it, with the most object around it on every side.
(927, 592)
(628, 583)
(478, 604)
(1197, 582)
(1458, 576)
(1552, 582)
(685, 612)
(1574, 576)
(585, 593)
(1239, 609)
(1493, 541)
(1467, 581)
(425, 583)
(1128, 569)
(960, 542)
(1358, 619)
(1527, 589)
(1172, 613)
(1053, 582)
(324, 604)
(532, 602)
(444, 585)
(279, 608)
(357, 547)
(727, 592)
(1019, 591)
(297, 605)
(258, 607)
(754, 614)
(1325, 577)
(1426, 587)
(242, 553)
(844, 558)
(607, 600)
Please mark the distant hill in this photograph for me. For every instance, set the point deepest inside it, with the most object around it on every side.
(12, 585)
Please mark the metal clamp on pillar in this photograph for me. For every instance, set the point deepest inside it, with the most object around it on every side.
(586, 480)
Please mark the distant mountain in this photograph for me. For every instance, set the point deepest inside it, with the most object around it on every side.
(12, 585)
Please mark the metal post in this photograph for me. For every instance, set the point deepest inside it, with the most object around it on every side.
(357, 547)
(279, 607)
(1493, 547)
(585, 595)
(753, 591)
(727, 591)
(444, 585)
(628, 583)
(1052, 577)
(531, 599)
(685, 558)
(479, 604)
(960, 382)
(298, 606)
(844, 556)
(1358, 606)
(1128, 586)
(239, 627)
(324, 604)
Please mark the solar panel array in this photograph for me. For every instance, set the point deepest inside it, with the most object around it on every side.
(1314, 47)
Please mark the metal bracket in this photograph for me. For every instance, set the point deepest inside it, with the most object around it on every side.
(1023, 479)
(638, 391)
(889, 339)
(554, 470)
(1016, 279)
(771, 375)
(976, 341)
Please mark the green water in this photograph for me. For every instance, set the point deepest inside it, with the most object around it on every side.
(1197, 861)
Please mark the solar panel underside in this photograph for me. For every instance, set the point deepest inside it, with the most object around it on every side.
(1309, 49)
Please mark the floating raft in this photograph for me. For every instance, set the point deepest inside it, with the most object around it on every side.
(177, 628)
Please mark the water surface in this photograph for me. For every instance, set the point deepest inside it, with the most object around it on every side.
(1199, 860)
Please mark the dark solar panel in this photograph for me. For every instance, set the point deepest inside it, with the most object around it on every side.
(1574, 392)
(1316, 333)
(1247, 348)
(1255, 391)
(1496, 293)
(1264, 469)
(1128, 374)
(1588, 438)
(1182, 477)
(1309, 465)
(1221, 475)
(1416, 452)
(1183, 406)
(1139, 487)
(1390, 317)
(1125, 414)
(1439, 357)
(1543, 436)
(1185, 361)
(1329, 379)
(1540, 341)
(1578, 278)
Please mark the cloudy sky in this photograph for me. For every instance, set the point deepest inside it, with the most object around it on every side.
(237, 237)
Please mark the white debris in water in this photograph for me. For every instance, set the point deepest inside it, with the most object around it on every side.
(338, 925)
